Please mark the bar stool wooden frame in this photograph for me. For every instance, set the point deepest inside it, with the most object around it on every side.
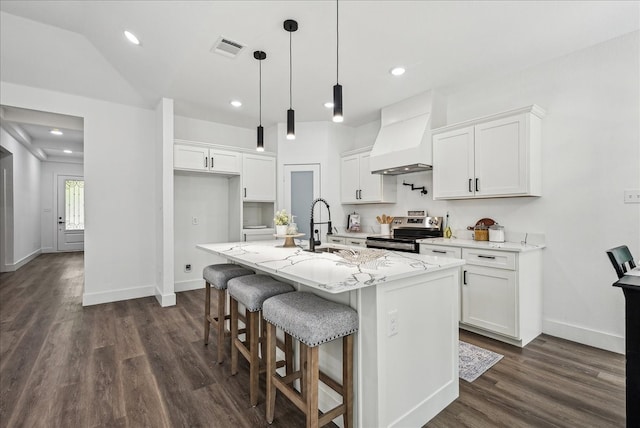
(310, 375)
(254, 344)
(219, 320)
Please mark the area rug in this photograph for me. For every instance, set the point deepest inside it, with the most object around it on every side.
(473, 361)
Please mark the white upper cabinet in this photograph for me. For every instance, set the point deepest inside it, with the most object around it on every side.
(497, 156)
(359, 186)
(200, 158)
(258, 178)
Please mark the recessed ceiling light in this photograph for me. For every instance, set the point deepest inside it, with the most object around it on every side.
(397, 71)
(68, 151)
(55, 131)
(131, 37)
(236, 103)
(328, 104)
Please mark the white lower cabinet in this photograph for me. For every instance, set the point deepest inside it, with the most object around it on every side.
(501, 294)
(347, 240)
(489, 299)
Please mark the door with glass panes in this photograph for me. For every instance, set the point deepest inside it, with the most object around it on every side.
(70, 218)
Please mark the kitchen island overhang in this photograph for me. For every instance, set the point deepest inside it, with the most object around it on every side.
(406, 356)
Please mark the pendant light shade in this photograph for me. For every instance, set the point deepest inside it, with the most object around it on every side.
(337, 88)
(290, 25)
(260, 55)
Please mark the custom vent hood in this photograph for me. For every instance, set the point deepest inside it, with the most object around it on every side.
(403, 144)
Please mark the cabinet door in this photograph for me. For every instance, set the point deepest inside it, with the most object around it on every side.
(370, 184)
(224, 161)
(350, 179)
(489, 299)
(453, 170)
(501, 157)
(259, 178)
(190, 157)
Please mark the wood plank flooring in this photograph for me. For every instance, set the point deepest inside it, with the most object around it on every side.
(135, 364)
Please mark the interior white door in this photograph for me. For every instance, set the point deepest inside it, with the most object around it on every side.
(70, 213)
(301, 188)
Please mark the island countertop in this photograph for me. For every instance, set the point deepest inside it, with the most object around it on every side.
(346, 270)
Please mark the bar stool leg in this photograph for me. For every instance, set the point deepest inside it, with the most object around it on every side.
(312, 379)
(222, 303)
(207, 311)
(288, 353)
(234, 335)
(254, 363)
(271, 370)
(347, 379)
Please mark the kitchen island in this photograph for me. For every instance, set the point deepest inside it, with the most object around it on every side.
(406, 353)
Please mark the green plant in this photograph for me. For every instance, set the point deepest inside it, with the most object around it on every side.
(281, 218)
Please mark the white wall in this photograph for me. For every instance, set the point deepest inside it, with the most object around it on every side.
(25, 244)
(119, 178)
(49, 192)
(591, 153)
(187, 128)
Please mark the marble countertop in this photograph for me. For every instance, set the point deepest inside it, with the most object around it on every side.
(350, 269)
(468, 243)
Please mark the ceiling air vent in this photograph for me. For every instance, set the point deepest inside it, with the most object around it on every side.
(227, 47)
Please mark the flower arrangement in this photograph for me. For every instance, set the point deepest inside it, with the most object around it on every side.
(281, 218)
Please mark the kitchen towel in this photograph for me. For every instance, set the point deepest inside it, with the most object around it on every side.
(473, 361)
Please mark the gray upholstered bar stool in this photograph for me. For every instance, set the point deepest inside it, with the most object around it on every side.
(251, 291)
(218, 275)
(313, 321)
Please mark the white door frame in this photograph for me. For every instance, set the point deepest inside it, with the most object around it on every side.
(288, 169)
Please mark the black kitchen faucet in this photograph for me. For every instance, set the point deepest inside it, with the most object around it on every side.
(312, 241)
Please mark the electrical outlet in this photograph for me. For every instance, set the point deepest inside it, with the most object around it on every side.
(195, 221)
(187, 267)
(632, 196)
(392, 323)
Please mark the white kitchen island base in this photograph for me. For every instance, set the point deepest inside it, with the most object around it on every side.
(406, 350)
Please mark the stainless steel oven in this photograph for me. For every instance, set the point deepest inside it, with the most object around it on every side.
(406, 231)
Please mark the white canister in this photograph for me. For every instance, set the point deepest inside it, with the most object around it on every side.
(496, 233)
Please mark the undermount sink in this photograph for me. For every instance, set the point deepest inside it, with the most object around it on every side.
(326, 250)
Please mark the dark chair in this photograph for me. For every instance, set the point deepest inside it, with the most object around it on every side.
(620, 256)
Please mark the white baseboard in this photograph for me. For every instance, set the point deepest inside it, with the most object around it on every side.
(165, 300)
(193, 284)
(586, 336)
(89, 299)
(23, 261)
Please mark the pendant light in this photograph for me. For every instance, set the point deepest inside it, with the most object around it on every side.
(260, 55)
(337, 88)
(290, 25)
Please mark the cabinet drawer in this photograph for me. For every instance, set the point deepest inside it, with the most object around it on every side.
(335, 240)
(355, 242)
(440, 251)
(481, 257)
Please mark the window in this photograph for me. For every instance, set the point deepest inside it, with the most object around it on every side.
(74, 204)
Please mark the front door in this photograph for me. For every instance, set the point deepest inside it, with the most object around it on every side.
(70, 213)
(301, 187)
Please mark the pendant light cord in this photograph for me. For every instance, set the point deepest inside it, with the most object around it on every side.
(260, 91)
(290, 73)
(337, 41)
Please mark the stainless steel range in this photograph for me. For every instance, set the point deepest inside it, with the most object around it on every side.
(406, 231)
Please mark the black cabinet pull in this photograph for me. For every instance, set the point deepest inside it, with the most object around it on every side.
(464, 277)
(439, 251)
(356, 194)
(470, 189)
(360, 194)
(245, 192)
(211, 161)
(206, 162)
(477, 181)
(486, 257)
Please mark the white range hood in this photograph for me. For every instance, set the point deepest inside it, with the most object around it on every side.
(403, 144)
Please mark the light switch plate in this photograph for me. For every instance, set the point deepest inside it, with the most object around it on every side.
(632, 196)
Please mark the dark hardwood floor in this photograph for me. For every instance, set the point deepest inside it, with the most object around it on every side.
(134, 364)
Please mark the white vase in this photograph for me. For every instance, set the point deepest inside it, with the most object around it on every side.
(281, 229)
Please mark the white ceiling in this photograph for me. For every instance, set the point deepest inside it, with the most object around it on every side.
(441, 43)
